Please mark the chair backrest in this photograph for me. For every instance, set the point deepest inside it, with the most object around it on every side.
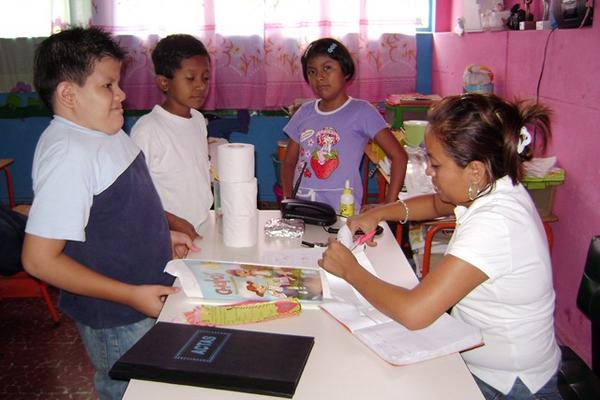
(588, 297)
(12, 233)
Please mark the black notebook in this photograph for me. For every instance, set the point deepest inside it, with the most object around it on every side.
(246, 361)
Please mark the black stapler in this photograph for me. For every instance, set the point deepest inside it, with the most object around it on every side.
(311, 212)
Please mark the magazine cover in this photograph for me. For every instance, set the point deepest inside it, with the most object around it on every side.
(238, 282)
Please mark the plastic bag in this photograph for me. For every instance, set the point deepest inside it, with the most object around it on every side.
(478, 79)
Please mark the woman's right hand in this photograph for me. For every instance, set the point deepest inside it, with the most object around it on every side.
(338, 260)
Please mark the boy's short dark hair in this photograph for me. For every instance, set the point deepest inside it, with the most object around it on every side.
(171, 50)
(70, 55)
(331, 48)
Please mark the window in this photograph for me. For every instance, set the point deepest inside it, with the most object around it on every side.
(255, 45)
(35, 18)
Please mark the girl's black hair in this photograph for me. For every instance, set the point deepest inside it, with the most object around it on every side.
(331, 48)
(486, 128)
(70, 55)
(171, 50)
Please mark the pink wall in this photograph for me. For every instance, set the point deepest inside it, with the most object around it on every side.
(443, 10)
(571, 88)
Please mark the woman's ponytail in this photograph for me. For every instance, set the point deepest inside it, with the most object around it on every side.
(533, 134)
(487, 128)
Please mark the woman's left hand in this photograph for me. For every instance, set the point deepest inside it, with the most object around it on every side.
(181, 244)
(338, 259)
(369, 206)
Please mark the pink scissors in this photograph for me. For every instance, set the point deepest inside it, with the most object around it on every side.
(364, 239)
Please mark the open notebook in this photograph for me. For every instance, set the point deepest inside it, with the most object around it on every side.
(389, 339)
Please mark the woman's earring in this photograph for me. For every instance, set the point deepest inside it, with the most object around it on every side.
(471, 190)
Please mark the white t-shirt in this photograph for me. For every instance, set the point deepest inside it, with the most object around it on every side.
(71, 165)
(501, 234)
(176, 151)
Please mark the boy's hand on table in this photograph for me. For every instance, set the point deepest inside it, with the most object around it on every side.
(149, 299)
(181, 244)
(182, 225)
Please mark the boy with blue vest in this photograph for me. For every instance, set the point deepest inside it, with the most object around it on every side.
(96, 228)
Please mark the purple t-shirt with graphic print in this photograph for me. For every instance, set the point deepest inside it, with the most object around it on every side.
(332, 145)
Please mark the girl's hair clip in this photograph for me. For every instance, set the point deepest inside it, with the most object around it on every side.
(331, 48)
(524, 139)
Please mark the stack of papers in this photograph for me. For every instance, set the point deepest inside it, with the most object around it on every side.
(411, 99)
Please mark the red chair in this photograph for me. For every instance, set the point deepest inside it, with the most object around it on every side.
(23, 285)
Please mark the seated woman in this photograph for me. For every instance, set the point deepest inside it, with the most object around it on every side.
(496, 273)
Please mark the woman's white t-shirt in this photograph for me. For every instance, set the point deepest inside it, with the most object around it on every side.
(501, 234)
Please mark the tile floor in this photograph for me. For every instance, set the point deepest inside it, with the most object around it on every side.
(39, 360)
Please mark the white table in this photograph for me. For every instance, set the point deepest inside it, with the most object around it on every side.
(339, 366)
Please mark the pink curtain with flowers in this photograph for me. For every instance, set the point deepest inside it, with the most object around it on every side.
(256, 45)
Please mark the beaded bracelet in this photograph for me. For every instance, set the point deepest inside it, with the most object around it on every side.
(405, 211)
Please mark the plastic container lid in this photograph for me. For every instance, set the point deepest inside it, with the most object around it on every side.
(553, 178)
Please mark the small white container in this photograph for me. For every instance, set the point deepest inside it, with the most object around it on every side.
(347, 201)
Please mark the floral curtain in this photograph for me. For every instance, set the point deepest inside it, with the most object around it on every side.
(256, 45)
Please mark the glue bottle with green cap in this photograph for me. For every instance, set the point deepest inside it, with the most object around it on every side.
(347, 201)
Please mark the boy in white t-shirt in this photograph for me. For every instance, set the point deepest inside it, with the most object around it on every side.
(173, 136)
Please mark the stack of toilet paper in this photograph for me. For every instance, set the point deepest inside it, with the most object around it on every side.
(238, 194)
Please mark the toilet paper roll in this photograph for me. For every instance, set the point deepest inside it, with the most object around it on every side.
(236, 162)
(240, 230)
(239, 198)
(240, 214)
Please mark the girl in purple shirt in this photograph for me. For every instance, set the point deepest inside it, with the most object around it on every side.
(328, 135)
